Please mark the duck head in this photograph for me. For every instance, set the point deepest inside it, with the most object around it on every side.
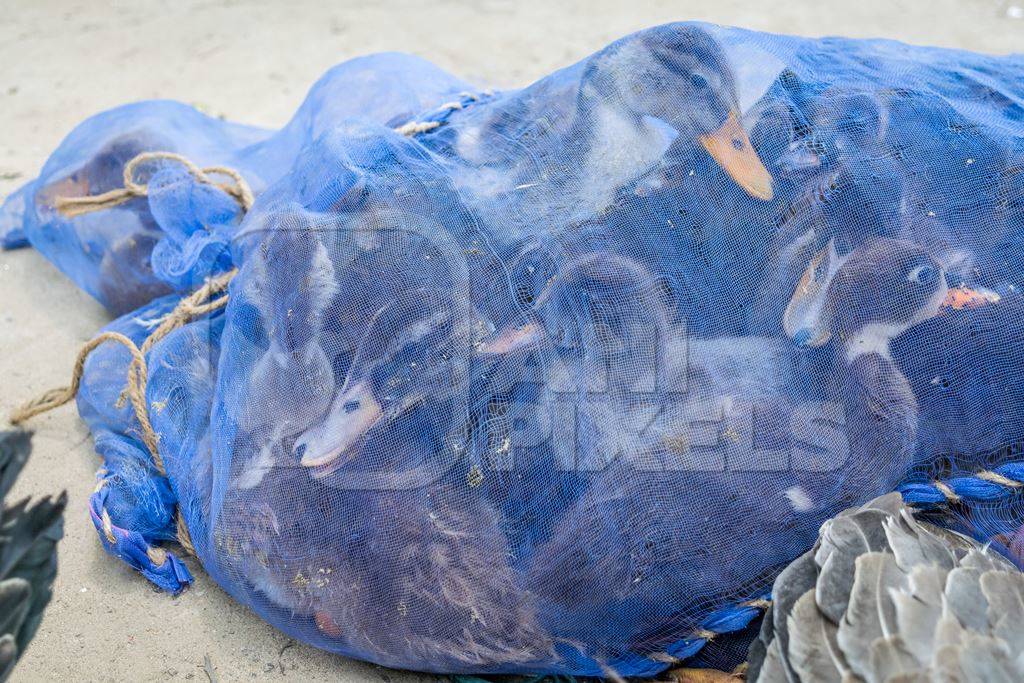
(865, 298)
(680, 75)
(603, 305)
(414, 353)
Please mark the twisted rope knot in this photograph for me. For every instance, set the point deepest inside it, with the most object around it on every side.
(208, 298)
(238, 189)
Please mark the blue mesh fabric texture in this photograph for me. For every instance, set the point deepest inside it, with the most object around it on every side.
(554, 380)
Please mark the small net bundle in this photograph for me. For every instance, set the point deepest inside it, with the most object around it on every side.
(553, 380)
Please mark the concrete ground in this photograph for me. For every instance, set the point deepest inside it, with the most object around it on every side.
(62, 61)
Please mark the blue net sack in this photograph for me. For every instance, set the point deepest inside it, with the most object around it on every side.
(553, 380)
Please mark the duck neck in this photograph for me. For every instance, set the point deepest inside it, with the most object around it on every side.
(883, 409)
(874, 338)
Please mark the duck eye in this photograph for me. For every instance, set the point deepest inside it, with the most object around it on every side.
(350, 406)
(922, 275)
(698, 81)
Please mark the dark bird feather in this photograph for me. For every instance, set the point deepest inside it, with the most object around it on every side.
(29, 532)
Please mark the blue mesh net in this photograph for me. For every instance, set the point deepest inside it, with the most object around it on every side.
(555, 379)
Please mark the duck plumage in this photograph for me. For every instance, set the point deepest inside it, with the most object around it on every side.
(941, 378)
(29, 532)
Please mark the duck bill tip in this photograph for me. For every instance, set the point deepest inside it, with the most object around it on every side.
(328, 463)
(801, 323)
(511, 339)
(336, 441)
(731, 149)
(320, 459)
(963, 297)
(810, 339)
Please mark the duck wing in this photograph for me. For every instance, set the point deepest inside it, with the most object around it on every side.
(29, 533)
(15, 600)
(885, 596)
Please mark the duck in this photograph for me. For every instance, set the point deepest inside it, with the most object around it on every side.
(290, 278)
(864, 300)
(382, 313)
(410, 367)
(118, 250)
(108, 253)
(29, 532)
(929, 360)
(886, 595)
(618, 549)
(696, 205)
(660, 418)
(414, 574)
(103, 170)
(677, 76)
(881, 163)
(568, 381)
(643, 95)
(600, 305)
(280, 329)
(841, 183)
(884, 164)
(604, 122)
(607, 333)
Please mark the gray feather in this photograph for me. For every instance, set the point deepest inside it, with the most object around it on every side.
(890, 503)
(919, 610)
(987, 660)
(949, 633)
(986, 560)
(913, 544)
(775, 669)
(887, 597)
(813, 652)
(793, 582)
(889, 659)
(965, 599)
(871, 614)
(1005, 594)
(759, 647)
(946, 664)
(843, 540)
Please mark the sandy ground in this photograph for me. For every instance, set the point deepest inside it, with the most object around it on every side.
(60, 62)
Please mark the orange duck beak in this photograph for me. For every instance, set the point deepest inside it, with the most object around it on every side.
(962, 297)
(730, 147)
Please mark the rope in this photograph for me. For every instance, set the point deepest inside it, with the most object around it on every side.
(138, 377)
(415, 127)
(723, 621)
(204, 300)
(77, 206)
(55, 398)
(985, 486)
